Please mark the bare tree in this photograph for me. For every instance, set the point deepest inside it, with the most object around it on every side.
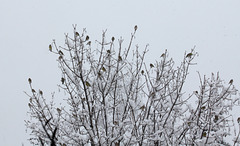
(116, 98)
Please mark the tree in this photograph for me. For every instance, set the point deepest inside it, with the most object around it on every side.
(116, 98)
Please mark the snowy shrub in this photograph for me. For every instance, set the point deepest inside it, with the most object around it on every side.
(115, 98)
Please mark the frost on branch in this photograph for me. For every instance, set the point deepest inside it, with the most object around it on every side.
(116, 98)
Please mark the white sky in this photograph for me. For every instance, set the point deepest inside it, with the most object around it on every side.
(27, 27)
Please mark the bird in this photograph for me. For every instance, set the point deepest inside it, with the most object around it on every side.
(151, 65)
(231, 81)
(119, 58)
(89, 43)
(60, 52)
(60, 57)
(87, 37)
(189, 55)
(87, 84)
(135, 27)
(62, 80)
(59, 111)
(238, 120)
(113, 39)
(29, 80)
(142, 107)
(103, 69)
(40, 92)
(116, 123)
(50, 48)
(204, 134)
(216, 118)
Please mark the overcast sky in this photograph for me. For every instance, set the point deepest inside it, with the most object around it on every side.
(27, 27)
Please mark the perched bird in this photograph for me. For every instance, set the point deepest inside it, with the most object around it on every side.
(204, 134)
(62, 80)
(115, 122)
(113, 39)
(89, 43)
(231, 81)
(119, 58)
(77, 34)
(60, 52)
(29, 80)
(33, 91)
(238, 120)
(40, 92)
(87, 37)
(50, 48)
(87, 84)
(58, 110)
(60, 57)
(151, 65)
(142, 107)
(162, 55)
(108, 51)
(135, 27)
(216, 118)
(189, 55)
(103, 69)
(142, 72)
